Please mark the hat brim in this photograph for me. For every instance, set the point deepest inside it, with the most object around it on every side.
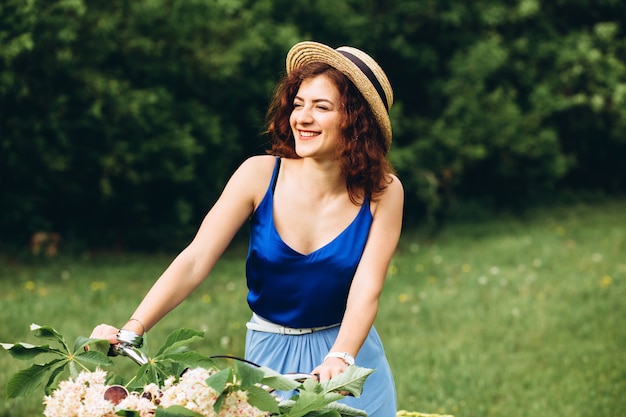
(307, 52)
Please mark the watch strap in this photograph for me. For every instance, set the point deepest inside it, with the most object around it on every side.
(345, 356)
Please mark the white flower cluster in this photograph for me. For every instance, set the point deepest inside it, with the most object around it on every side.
(82, 397)
(193, 393)
(85, 397)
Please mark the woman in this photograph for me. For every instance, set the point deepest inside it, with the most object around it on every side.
(326, 214)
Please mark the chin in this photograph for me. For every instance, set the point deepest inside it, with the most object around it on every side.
(303, 151)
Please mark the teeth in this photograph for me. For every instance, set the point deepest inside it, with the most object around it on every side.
(308, 134)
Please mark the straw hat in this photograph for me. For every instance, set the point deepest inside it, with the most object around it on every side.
(359, 67)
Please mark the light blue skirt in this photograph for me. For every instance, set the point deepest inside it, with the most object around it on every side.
(302, 353)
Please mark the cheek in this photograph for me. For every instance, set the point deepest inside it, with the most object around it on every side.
(339, 127)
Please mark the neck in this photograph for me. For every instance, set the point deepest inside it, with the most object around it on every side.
(323, 178)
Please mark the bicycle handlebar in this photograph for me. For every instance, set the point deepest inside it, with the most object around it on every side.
(130, 351)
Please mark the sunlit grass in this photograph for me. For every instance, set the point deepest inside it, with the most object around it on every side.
(511, 317)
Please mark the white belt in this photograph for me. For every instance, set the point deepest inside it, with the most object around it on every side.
(261, 325)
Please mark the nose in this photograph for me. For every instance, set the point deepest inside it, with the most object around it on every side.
(303, 115)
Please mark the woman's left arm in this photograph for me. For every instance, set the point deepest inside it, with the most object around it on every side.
(369, 278)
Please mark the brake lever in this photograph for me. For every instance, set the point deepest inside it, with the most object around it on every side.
(127, 349)
(298, 376)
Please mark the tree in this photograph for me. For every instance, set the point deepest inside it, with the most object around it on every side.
(121, 121)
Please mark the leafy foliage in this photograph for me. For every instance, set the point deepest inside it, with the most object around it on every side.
(503, 94)
(122, 121)
(172, 359)
(74, 359)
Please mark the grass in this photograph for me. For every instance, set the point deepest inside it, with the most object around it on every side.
(511, 317)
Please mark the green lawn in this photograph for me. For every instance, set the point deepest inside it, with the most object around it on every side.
(509, 317)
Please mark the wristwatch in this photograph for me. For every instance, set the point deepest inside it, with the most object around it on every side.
(345, 356)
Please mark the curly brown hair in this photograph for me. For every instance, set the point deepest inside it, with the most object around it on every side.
(361, 154)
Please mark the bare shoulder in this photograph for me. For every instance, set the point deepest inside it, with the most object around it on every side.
(259, 165)
(394, 191)
(253, 176)
(395, 185)
(392, 198)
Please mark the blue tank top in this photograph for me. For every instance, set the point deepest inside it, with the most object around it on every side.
(296, 290)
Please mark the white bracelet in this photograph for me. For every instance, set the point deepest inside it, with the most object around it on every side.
(345, 356)
(143, 326)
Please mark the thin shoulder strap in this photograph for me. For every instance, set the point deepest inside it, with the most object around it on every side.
(275, 174)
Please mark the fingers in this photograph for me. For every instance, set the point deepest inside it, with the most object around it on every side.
(328, 370)
(105, 331)
(324, 372)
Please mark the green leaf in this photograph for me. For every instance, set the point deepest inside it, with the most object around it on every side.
(81, 342)
(179, 338)
(325, 412)
(176, 411)
(313, 386)
(219, 380)
(176, 368)
(351, 380)
(26, 351)
(262, 399)
(174, 350)
(47, 332)
(128, 413)
(154, 372)
(93, 357)
(100, 345)
(277, 381)
(190, 359)
(247, 374)
(74, 370)
(53, 379)
(115, 379)
(317, 399)
(217, 406)
(307, 402)
(345, 410)
(26, 381)
(333, 396)
(142, 377)
(286, 405)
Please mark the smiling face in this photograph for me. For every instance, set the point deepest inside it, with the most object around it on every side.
(316, 118)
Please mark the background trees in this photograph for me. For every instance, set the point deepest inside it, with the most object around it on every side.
(120, 121)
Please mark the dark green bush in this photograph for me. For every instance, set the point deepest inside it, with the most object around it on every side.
(121, 121)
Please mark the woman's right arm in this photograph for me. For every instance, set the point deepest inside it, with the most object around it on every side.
(240, 197)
